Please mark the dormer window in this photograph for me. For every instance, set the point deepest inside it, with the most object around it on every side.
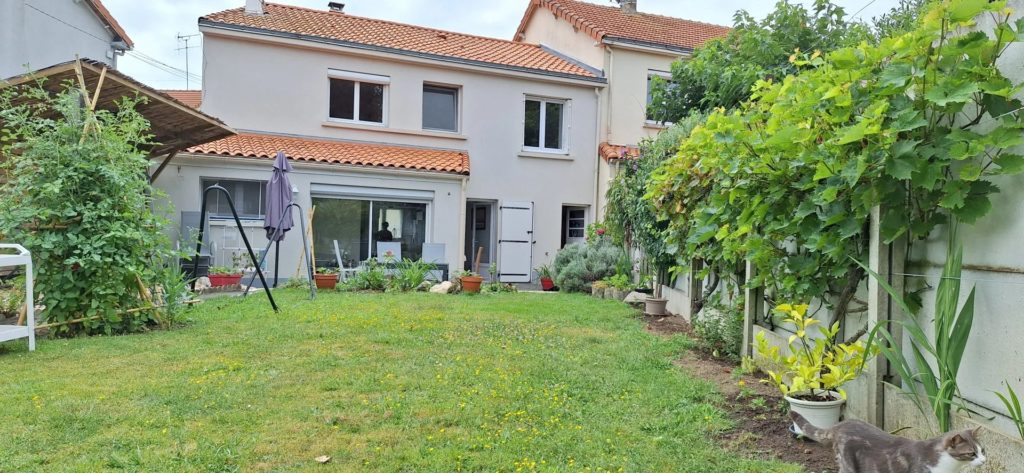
(357, 97)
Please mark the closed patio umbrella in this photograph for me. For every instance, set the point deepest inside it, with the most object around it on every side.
(279, 199)
(278, 219)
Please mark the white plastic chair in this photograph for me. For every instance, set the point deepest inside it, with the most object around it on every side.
(344, 272)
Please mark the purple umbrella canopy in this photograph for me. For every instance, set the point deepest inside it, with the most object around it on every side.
(279, 196)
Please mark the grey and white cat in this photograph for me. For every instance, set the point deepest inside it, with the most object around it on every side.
(863, 448)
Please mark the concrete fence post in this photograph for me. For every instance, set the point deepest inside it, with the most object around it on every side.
(753, 309)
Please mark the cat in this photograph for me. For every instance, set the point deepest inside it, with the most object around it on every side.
(863, 448)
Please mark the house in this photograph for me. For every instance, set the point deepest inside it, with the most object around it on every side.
(34, 35)
(399, 134)
(631, 48)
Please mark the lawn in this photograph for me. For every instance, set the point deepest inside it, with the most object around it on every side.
(403, 382)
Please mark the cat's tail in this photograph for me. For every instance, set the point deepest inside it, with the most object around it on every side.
(823, 436)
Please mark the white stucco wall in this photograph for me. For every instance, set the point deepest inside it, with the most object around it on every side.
(547, 29)
(626, 109)
(283, 88)
(182, 183)
(994, 266)
(31, 40)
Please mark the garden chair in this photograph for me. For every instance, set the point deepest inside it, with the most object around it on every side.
(343, 272)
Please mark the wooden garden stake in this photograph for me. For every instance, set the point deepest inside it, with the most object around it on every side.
(309, 237)
(22, 313)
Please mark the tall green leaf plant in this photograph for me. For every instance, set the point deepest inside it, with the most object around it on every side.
(931, 372)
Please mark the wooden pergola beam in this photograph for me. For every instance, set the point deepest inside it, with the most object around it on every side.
(162, 165)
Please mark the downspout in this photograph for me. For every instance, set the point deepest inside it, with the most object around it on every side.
(597, 155)
(462, 228)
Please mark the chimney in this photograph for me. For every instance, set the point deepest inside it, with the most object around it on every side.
(628, 6)
(254, 7)
(336, 7)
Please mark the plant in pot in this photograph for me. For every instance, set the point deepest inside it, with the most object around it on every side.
(546, 274)
(221, 276)
(810, 376)
(470, 282)
(620, 287)
(598, 288)
(326, 278)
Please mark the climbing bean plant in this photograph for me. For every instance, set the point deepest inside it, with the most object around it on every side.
(78, 197)
(916, 124)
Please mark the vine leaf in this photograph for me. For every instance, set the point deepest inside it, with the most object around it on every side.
(946, 93)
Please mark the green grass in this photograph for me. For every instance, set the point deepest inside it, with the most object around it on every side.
(403, 382)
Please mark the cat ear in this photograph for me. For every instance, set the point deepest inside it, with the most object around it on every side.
(954, 441)
(976, 432)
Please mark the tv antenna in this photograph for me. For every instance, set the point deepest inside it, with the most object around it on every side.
(186, 38)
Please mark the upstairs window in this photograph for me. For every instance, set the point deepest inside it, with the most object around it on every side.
(659, 76)
(440, 108)
(544, 125)
(359, 98)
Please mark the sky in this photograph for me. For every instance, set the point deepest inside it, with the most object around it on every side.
(154, 25)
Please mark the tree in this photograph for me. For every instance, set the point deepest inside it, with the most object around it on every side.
(722, 72)
(633, 217)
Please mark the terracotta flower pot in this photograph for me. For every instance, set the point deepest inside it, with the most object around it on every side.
(547, 284)
(221, 280)
(326, 281)
(821, 414)
(471, 284)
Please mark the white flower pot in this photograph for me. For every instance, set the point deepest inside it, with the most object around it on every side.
(655, 306)
(821, 414)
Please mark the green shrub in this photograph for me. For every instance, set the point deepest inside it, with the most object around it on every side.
(77, 195)
(409, 275)
(12, 296)
(372, 277)
(719, 330)
(580, 264)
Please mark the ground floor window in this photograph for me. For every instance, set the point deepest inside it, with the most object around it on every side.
(358, 225)
(248, 197)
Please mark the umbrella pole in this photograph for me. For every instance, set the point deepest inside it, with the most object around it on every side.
(277, 262)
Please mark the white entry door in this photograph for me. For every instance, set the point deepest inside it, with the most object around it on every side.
(515, 244)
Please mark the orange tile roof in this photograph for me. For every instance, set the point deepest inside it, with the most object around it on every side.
(109, 19)
(401, 38)
(319, 150)
(603, 22)
(610, 152)
(192, 98)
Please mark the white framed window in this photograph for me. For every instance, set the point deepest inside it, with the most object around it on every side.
(651, 75)
(358, 98)
(545, 125)
(440, 108)
(248, 196)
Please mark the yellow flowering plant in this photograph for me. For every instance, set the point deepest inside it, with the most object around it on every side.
(814, 365)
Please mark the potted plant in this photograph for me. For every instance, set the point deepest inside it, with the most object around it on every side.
(326, 278)
(620, 286)
(221, 276)
(598, 288)
(810, 376)
(470, 282)
(547, 281)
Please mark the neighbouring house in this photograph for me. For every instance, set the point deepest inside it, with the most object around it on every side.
(38, 34)
(399, 135)
(631, 48)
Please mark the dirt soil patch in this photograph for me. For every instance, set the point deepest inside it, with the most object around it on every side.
(760, 412)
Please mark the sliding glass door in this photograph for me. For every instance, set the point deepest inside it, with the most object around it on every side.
(358, 225)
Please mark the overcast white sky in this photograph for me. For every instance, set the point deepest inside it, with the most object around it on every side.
(155, 24)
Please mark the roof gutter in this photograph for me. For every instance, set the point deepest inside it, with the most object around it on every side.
(648, 47)
(203, 22)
